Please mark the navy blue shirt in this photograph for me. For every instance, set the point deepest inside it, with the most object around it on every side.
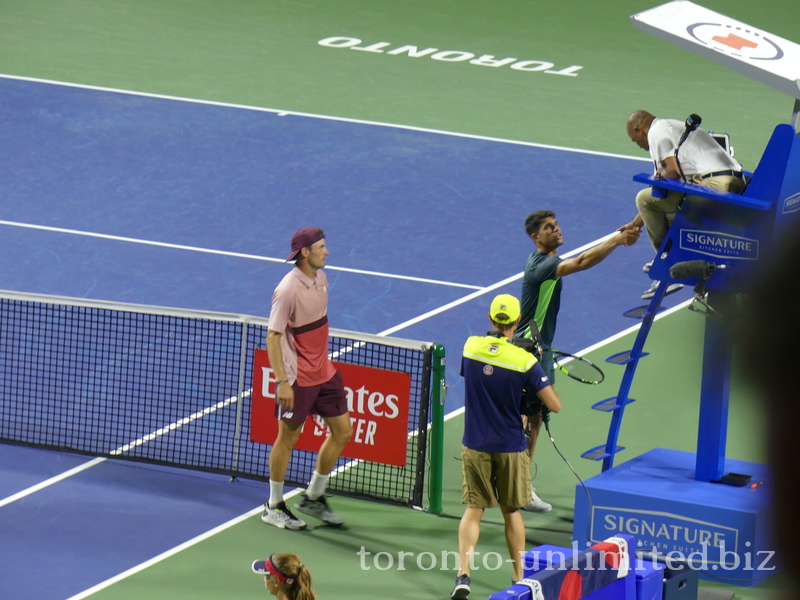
(495, 371)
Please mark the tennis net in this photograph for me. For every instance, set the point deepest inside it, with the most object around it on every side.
(174, 387)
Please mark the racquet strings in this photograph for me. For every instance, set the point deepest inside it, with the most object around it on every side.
(579, 368)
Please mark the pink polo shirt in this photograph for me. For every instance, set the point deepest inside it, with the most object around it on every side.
(300, 314)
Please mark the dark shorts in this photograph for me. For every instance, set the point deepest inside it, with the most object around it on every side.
(549, 366)
(326, 400)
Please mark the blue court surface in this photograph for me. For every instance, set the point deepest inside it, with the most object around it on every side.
(168, 202)
(221, 189)
(102, 521)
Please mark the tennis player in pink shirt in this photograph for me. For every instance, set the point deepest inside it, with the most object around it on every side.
(306, 380)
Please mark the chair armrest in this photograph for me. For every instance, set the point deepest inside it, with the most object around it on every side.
(703, 192)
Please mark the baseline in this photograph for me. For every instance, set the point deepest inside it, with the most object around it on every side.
(283, 112)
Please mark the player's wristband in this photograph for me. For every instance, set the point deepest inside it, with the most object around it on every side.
(277, 383)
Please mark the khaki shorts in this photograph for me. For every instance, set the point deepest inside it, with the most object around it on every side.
(492, 478)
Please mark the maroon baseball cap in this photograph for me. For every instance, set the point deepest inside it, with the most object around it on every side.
(304, 237)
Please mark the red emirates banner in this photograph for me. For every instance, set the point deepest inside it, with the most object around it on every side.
(378, 402)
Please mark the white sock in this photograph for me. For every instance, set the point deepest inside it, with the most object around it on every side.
(317, 486)
(275, 493)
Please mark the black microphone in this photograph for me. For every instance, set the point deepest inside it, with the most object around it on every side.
(691, 269)
(692, 122)
(532, 344)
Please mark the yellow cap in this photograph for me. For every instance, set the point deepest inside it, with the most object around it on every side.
(504, 304)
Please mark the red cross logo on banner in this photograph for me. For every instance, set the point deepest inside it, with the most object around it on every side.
(734, 41)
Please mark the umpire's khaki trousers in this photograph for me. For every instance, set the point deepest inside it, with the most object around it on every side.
(655, 211)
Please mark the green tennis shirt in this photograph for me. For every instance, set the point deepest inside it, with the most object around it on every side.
(541, 296)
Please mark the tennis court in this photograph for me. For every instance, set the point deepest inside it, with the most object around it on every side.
(162, 154)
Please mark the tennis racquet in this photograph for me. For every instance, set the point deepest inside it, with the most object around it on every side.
(578, 367)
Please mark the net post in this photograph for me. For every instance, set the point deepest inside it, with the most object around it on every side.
(437, 430)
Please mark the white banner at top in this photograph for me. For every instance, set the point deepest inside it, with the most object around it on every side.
(748, 50)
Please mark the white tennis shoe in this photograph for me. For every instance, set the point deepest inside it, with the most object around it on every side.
(537, 504)
(282, 517)
(319, 508)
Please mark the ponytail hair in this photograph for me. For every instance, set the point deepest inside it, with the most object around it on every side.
(305, 591)
(292, 566)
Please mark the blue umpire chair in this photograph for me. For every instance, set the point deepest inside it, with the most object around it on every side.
(729, 234)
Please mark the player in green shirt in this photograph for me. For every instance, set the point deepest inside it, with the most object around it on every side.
(541, 296)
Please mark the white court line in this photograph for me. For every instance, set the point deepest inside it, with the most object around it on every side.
(119, 238)
(283, 112)
(181, 422)
(124, 448)
(51, 481)
(171, 552)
